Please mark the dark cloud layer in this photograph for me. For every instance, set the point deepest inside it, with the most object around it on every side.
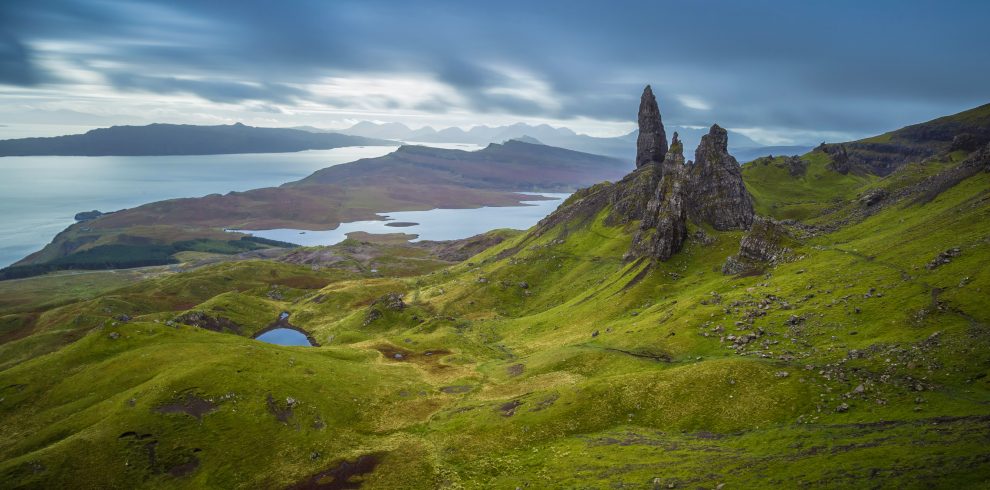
(849, 66)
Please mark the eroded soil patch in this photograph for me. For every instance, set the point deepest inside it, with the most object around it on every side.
(189, 404)
(346, 475)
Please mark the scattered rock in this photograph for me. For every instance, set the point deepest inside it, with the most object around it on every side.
(205, 321)
(944, 258)
(872, 197)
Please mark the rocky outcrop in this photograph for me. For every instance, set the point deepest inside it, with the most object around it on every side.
(664, 191)
(651, 145)
(717, 194)
(930, 188)
(838, 155)
(796, 166)
(766, 243)
(872, 197)
(663, 226)
(88, 215)
(386, 303)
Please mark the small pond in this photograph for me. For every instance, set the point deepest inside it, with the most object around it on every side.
(284, 336)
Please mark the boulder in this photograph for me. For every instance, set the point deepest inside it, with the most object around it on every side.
(766, 243)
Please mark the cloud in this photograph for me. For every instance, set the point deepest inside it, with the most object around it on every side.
(693, 102)
(16, 66)
(212, 90)
(784, 67)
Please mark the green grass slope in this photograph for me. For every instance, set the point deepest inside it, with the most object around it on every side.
(545, 361)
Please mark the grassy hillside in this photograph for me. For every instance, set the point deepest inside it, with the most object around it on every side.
(545, 361)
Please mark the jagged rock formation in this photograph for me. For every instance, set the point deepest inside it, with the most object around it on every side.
(718, 196)
(664, 221)
(709, 190)
(664, 191)
(651, 146)
(764, 244)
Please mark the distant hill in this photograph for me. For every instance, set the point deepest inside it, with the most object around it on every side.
(528, 139)
(623, 147)
(410, 178)
(748, 154)
(512, 166)
(182, 139)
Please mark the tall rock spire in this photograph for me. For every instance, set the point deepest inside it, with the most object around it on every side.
(651, 146)
(663, 227)
(718, 196)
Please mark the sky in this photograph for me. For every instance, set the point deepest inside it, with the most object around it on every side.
(781, 72)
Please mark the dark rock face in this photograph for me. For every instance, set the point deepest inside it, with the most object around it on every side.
(664, 191)
(928, 189)
(965, 142)
(872, 197)
(88, 215)
(663, 226)
(764, 244)
(840, 157)
(796, 166)
(205, 321)
(718, 196)
(651, 146)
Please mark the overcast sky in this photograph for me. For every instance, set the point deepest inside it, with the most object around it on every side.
(781, 72)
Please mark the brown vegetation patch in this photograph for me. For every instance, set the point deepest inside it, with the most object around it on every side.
(456, 389)
(515, 369)
(429, 359)
(508, 409)
(212, 323)
(345, 475)
(190, 404)
(282, 413)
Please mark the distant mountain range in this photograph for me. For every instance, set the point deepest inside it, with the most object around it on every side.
(183, 139)
(623, 147)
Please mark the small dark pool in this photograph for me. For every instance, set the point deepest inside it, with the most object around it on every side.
(284, 336)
